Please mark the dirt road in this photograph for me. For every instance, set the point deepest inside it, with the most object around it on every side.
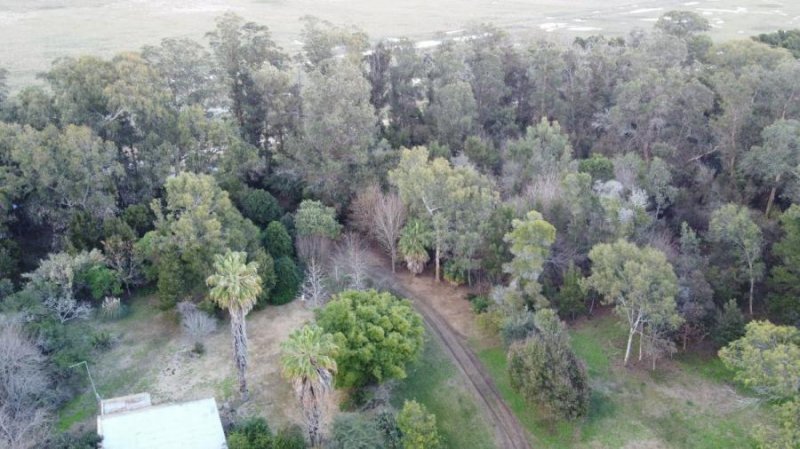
(509, 434)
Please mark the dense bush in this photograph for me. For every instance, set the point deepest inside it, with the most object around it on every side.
(418, 427)
(730, 324)
(277, 241)
(254, 433)
(259, 206)
(287, 281)
(355, 431)
(377, 333)
(599, 167)
(570, 301)
(545, 371)
(101, 281)
(480, 303)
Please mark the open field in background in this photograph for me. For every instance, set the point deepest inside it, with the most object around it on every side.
(688, 402)
(34, 32)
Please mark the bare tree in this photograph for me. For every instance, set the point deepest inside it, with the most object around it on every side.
(196, 324)
(350, 262)
(24, 411)
(362, 209)
(313, 290)
(67, 308)
(388, 220)
(380, 216)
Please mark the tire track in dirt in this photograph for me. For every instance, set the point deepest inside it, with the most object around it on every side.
(509, 434)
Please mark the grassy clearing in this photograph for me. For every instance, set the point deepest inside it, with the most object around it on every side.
(434, 382)
(111, 382)
(686, 403)
(150, 354)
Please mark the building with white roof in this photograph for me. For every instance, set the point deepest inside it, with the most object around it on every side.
(132, 422)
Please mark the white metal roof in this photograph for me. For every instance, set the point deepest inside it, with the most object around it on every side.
(190, 425)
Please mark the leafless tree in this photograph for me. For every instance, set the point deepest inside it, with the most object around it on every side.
(388, 221)
(313, 247)
(67, 308)
(313, 291)
(24, 411)
(350, 262)
(196, 324)
(380, 216)
(362, 209)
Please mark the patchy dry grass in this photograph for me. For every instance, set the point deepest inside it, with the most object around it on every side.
(150, 354)
(685, 403)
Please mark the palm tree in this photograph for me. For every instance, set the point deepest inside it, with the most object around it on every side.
(415, 238)
(308, 362)
(235, 285)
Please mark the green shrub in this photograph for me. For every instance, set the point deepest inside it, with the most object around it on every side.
(289, 438)
(418, 427)
(254, 433)
(86, 440)
(517, 326)
(170, 285)
(355, 431)
(480, 303)
(266, 270)
(545, 371)
(259, 206)
(387, 423)
(598, 166)
(139, 217)
(730, 324)
(287, 281)
(101, 340)
(277, 241)
(101, 281)
(570, 301)
(454, 273)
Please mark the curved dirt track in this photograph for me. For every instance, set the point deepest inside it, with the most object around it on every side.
(509, 434)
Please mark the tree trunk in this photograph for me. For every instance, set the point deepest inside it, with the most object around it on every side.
(752, 284)
(641, 343)
(630, 342)
(394, 257)
(772, 195)
(313, 415)
(438, 279)
(239, 331)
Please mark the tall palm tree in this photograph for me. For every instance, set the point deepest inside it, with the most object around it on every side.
(235, 285)
(307, 360)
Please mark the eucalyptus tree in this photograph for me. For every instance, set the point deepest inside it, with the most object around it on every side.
(776, 161)
(639, 282)
(732, 228)
(339, 128)
(529, 242)
(240, 50)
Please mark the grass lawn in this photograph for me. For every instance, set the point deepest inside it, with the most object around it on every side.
(435, 382)
(113, 382)
(686, 403)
